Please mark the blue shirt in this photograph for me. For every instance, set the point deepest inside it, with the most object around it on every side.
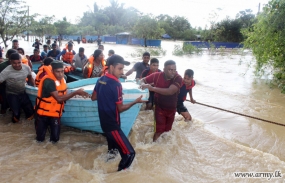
(184, 90)
(44, 54)
(109, 94)
(53, 54)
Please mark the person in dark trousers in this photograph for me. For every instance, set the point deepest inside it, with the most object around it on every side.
(15, 76)
(50, 102)
(3, 65)
(140, 66)
(108, 93)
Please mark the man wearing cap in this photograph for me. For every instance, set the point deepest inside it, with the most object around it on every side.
(50, 102)
(67, 54)
(15, 76)
(108, 93)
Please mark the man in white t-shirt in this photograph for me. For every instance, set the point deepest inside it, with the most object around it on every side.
(15, 76)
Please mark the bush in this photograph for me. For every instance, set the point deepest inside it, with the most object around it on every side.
(153, 52)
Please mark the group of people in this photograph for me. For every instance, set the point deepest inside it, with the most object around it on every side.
(167, 92)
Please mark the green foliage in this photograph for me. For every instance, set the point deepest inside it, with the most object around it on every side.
(186, 49)
(147, 27)
(43, 26)
(61, 26)
(153, 52)
(178, 27)
(178, 51)
(14, 19)
(267, 38)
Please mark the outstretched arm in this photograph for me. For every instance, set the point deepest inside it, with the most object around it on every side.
(94, 96)
(130, 72)
(62, 98)
(164, 91)
(123, 107)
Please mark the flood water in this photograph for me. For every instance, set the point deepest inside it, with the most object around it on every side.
(210, 149)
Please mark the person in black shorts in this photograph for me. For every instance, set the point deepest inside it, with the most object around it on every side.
(187, 85)
(108, 93)
(154, 63)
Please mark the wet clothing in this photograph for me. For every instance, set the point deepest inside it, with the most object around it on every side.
(184, 90)
(158, 79)
(117, 140)
(182, 97)
(48, 109)
(15, 79)
(42, 123)
(139, 68)
(109, 94)
(53, 54)
(20, 101)
(34, 58)
(165, 105)
(146, 73)
(15, 90)
(163, 119)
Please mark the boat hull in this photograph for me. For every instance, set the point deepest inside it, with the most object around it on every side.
(83, 114)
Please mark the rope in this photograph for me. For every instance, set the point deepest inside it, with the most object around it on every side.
(280, 124)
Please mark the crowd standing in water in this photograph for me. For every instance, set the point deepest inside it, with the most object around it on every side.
(167, 90)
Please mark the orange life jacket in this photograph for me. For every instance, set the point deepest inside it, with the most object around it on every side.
(68, 69)
(25, 61)
(49, 106)
(90, 65)
(43, 70)
(68, 56)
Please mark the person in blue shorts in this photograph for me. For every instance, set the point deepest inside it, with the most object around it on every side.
(108, 93)
(187, 85)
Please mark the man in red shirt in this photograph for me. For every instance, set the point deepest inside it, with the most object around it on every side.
(166, 86)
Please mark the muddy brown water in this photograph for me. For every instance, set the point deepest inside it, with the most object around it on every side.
(210, 149)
